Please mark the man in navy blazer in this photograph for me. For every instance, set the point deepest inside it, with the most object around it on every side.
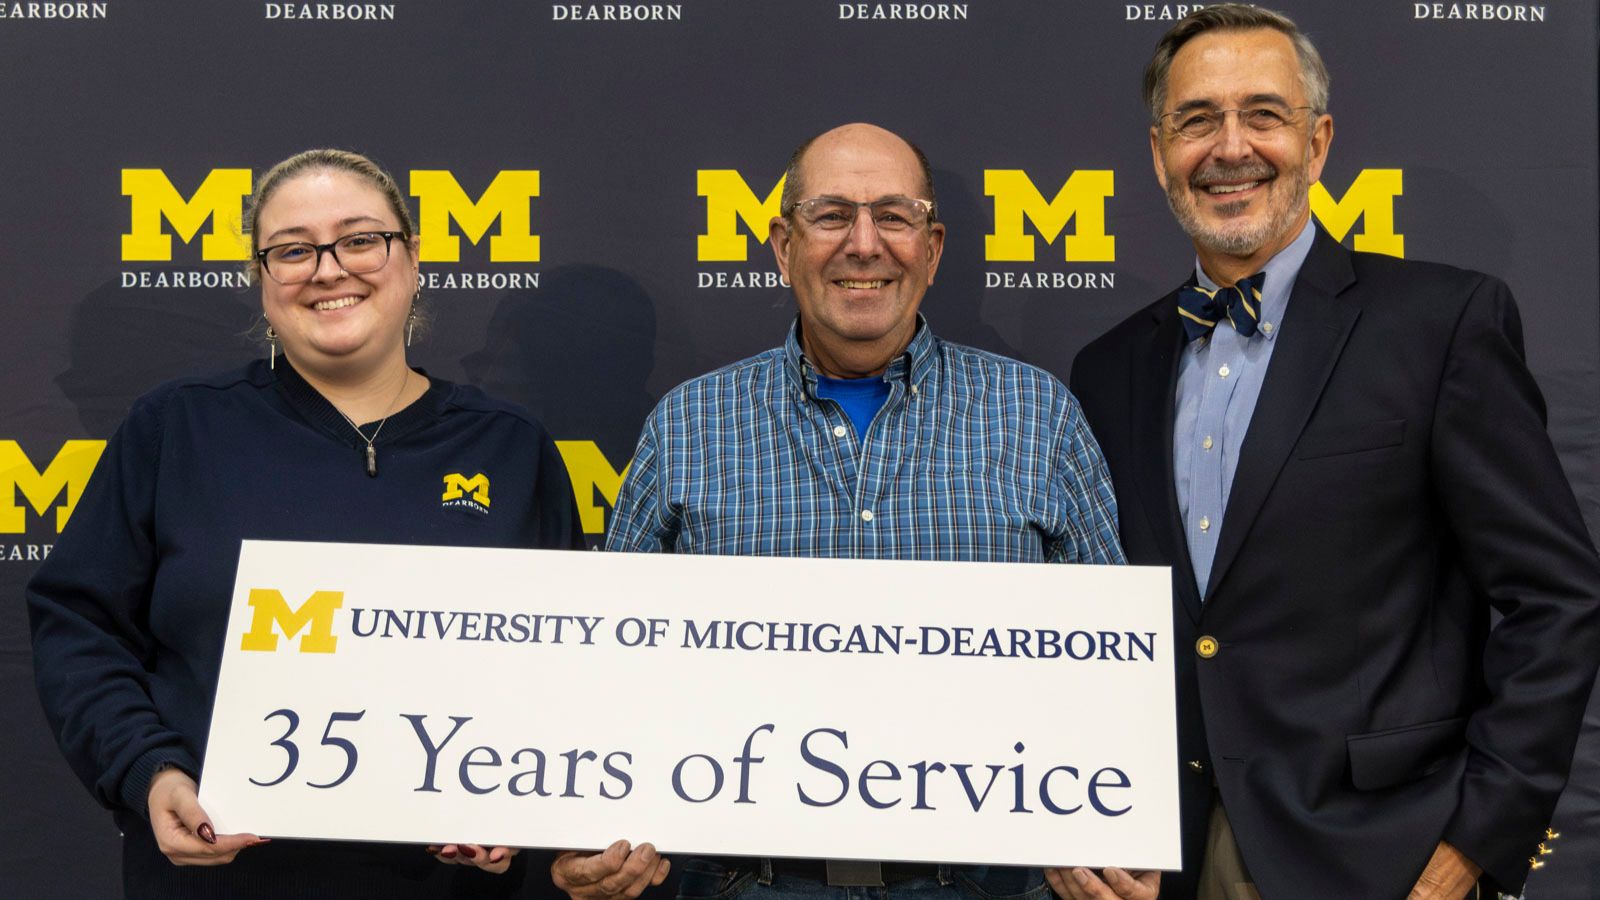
(1343, 458)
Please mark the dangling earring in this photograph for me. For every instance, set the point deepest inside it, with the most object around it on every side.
(272, 344)
(411, 318)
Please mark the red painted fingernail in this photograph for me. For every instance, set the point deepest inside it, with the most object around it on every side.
(432, 851)
(448, 854)
(206, 834)
(469, 853)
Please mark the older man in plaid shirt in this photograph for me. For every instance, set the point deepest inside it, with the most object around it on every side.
(862, 436)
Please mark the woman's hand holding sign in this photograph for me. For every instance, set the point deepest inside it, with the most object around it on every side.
(183, 830)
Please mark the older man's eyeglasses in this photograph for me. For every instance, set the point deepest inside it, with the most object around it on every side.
(893, 216)
(296, 262)
(1203, 122)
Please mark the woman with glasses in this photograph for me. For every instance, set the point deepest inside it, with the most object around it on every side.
(331, 437)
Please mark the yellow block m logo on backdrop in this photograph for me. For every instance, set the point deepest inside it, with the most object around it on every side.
(315, 616)
(457, 485)
(68, 471)
(1371, 199)
(1082, 198)
(220, 198)
(590, 471)
(440, 199)
(729, 200)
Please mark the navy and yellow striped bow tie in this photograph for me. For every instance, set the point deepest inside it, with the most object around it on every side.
(1201, 309)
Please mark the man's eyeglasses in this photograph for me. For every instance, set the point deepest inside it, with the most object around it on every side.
(893, 216)
(1202, 122)
(296, 262)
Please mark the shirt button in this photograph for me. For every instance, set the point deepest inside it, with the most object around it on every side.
(1206, 444)
(914, 389)
(1224, 371)
(866, 515)
(1205, 524)
(1266, 327)
(838, 431)
(1206, 647)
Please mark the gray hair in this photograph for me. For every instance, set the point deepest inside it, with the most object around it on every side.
(1233, 17)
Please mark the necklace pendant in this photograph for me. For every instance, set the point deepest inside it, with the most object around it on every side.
(372, 461)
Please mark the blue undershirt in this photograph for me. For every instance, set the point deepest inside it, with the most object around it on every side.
(860, 398)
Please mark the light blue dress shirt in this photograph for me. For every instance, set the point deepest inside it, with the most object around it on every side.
(1219, 380)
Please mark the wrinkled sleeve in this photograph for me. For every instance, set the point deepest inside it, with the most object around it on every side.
(641, 520)
(88, 609)
(1526, 549)
(1084, 480)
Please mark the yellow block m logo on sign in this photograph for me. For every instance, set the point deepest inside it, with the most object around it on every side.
(728, 201)
(69, 471)
(1082, 198)
(219, 198)
(1370, 198)
(457, 485)
(315, 616)
(440, 199)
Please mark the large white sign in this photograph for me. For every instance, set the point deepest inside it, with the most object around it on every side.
(841, 709)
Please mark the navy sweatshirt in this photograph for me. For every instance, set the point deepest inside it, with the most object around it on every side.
(129, 611)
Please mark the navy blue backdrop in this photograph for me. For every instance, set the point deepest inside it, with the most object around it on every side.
(606, 170)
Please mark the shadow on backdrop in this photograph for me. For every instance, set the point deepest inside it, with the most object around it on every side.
(955, 304)
(576, 353)
(123, 342)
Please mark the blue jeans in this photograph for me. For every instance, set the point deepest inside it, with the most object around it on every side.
(706, 880)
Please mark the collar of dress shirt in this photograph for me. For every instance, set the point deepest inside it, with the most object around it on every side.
(1281, 271)
(912, 366)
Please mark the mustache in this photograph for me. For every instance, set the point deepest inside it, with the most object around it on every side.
(1260, 170)
(867, 275)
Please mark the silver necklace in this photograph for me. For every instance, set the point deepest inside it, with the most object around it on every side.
(372, 452)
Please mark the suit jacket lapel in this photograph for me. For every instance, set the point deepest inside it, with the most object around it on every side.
(1312, 334)
(1155, 380)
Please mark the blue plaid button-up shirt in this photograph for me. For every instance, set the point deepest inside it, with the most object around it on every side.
(973, 457)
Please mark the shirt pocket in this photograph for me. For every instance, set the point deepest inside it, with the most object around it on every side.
(1342, 440)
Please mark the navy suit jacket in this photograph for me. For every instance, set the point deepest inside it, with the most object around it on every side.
(1395, 484)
